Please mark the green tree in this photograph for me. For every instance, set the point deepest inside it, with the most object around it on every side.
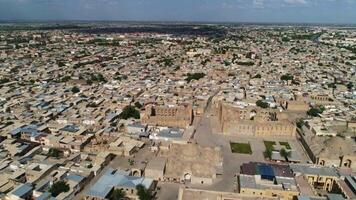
(314, 112)
(268, 153)
(195, 76)
(89, 82)
(300, 123)
(143, 193)
(257, 76)
(75, 89)
(117, 194)
(284, 153)
(131, 162)
(227, 63)
(350, 85)
(54, 153)
(59, 187)
(138, 105)
(130, 112)
(332, 85)
(61, 64)
(287, 77)
(262, 104)
(4, 80)
(65, 78)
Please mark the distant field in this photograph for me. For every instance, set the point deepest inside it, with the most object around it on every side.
(243, 148)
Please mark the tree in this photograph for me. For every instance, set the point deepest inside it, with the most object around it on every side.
(117, 194)
(75, 89)
(227, 63)
(284, 153)
(131, 162)
(58, 188)
(262, 104)
(300, 123)
(143, 193)
(61, 64)
(195, 76)
(268, 153)
(54, 153)
(65, 78)
(257, 76)
(89, 82)
(130, 112)
(332, 85)
(287, 77)
(138, 105)
(314, 112)
(4, 80)
(350, 85)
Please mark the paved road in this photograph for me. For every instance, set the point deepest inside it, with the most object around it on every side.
(204, 136)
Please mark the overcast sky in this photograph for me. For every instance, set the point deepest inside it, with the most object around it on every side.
(301, 11)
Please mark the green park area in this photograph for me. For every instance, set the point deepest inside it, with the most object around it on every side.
(286, 144)
(269, 148)
(243, 148)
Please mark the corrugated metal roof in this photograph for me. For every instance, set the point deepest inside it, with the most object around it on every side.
(22, 190)
(116, 178)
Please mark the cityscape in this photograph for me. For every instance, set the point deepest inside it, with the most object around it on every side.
(144, 110)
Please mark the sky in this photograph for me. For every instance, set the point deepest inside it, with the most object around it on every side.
(273, 11)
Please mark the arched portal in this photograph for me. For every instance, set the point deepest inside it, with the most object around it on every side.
(347, 163)
(187, 177)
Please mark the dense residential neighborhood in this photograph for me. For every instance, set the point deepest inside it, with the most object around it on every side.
(182, 111)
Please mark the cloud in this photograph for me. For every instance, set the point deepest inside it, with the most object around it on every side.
(329, 11)
(258, 3)
(296, 1)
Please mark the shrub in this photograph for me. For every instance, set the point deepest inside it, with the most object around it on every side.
(143, 193)
(75, 89)
(287, 77)
(117, 194)
(138, 105)
(262, 104)
(55, 153)
(257, 76)
(58, 188)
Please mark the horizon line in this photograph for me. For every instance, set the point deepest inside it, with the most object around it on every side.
(172, 21)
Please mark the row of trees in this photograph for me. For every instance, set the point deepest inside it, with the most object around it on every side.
(142, 193)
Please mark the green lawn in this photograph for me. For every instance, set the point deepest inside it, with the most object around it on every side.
(269, 145)
(244, 148)
(286, 144)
